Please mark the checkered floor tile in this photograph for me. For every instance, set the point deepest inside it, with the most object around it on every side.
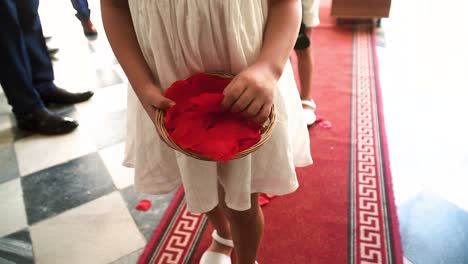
(68, 199)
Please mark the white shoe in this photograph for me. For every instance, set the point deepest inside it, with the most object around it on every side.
(309, 111)
(211, 257)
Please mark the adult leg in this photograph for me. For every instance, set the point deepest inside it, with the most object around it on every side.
(83, 13)
(16, 75)
(82, 9)
(42, 70)
(39, 60)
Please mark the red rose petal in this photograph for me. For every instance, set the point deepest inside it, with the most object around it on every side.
(262, 200)
(325, 124)
(208, 102)
(209, 83)
(143, 205)
(180, 92)
(319, 119)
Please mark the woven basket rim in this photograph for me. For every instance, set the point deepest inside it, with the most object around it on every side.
(266, 132)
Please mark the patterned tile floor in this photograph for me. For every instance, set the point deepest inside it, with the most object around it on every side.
(77, 204)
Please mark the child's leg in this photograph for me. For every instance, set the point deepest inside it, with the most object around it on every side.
(247, 231)
(305, 61)
(219, 221)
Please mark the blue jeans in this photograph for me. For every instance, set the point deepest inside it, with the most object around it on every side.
(82, 9)
(25, 68)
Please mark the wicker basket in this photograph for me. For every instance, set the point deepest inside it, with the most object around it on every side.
(266, 131)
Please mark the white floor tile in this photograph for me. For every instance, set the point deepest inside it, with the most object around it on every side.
(5, 123)
(120, 72)
(452, 183)
(112, 157)
(13, 214)
(38, 152)
(98, 232)
(105, 100)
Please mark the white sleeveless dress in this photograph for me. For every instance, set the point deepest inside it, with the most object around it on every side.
(179, 38)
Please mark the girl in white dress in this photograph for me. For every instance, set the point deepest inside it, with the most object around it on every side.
(160, 41)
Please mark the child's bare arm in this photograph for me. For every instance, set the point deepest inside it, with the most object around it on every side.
(122, 38)
(284, 19)
(252, 91)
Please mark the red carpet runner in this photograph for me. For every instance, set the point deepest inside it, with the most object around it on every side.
(344, 211)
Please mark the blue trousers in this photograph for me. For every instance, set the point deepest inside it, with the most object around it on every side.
(82, 9)
(25, 67)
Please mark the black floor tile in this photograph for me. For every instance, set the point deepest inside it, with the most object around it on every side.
(433, 230)
(146, 220)
(65, 186)
(16, 248)
(8, 164)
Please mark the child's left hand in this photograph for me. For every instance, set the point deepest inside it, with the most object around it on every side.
(252, 92)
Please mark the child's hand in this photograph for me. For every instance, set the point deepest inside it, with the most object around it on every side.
(153, 99)
(252, 92)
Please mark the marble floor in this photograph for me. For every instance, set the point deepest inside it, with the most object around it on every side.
(422, 59)
(77, 205)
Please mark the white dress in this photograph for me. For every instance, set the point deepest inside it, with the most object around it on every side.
(310, 12)
(179, 38)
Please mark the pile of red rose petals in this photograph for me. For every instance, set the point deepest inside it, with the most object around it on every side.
(199, 123)
(265, 198)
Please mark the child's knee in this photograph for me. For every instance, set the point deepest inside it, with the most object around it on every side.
(235, 216)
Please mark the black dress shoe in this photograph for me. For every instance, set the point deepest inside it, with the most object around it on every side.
(62, 96)
(45, 122)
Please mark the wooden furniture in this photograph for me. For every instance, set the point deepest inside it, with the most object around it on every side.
(361, 9)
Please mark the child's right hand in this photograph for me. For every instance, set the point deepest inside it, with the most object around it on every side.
(252, 92)
(152, 99)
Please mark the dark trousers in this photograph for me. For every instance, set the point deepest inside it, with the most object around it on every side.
(25, 67)
(82, 9)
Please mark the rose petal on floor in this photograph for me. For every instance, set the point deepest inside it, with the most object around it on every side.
(319, 119)
(143, 205)
(262, 200)
(325, 124)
